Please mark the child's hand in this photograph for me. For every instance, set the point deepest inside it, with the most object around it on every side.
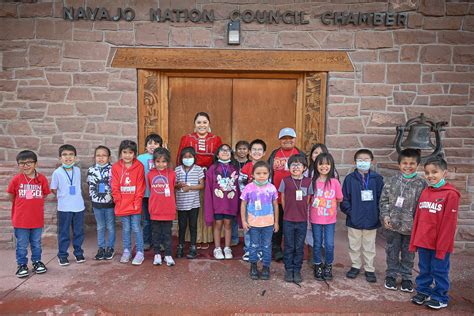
(186, 188)
(275, 227)
(386, 222)
(245, 226)
(180, 185)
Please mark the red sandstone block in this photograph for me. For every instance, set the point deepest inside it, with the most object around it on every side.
(343, 142)
(468, 24)
(201, 37)
(60, 109)
(435, 54)
(461, 120)
(379, 141)
(32, 10)
(455, 37)
(351, 126)
(403, 98)
(454, 77)
(18, 128)
(14, 59)
(373, 73)
(91, 79)
(148, 34)
(14, 29)
(88, 36)
(91, 108)
(376, 90)
(81, 94)
(29, 73)
(432, 7)
(86, 51)
(70, 125)
(463, 55)
(122, 114)
(259, 40)
(409, 53)
(384, 119)
(404, 73)
(341, 87)
(373, 40)
(373, 104)
(442, 23)
(48, 94)
(459, 132)
(53, 30)
(414, 37)
(449, 100)
(8, 10)
(59, 79)
(44, 56)
(457, 8)
(119, 38)
(8, 85)
(459, 89)
(389, 56)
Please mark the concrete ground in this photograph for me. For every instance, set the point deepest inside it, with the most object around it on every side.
(205, 286)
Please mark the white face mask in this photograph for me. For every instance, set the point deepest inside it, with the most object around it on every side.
(363, 165)
(188, 162)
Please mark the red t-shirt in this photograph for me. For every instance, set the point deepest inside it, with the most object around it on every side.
(280, 167)
(247, 170)
(162, 202)
(28, 203)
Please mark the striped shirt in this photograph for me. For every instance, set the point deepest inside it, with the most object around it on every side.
(188, 200)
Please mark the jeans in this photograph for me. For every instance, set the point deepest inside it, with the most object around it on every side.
(432, 269)
(278, 236)
(235, 231)
(66, 220)
(247, 241)
(294, 234)
(132, 223)
(323, 234)
(23, 237)
(161, 233)
(185, 217)
(105, 218)
(146, 222)
(261, 238)
(399, 259)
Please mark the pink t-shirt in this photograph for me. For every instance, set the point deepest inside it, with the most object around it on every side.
(324, 203)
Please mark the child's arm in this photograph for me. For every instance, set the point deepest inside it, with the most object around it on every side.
(447, 228)
(346, 200)
(140, 192)
(385, 206)
(283, 199)
(243, 215)
(115, 184)
(276, 215)
(54, 184)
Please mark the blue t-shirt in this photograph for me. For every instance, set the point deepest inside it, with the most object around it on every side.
(147, 161)
(68, 186)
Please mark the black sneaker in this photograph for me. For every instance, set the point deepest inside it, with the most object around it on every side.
(353, 273)
(180, 251)
(289, 276)
(192, 253)
(318, 272)
(297, 277)
(109, 253)
(100, 254)
(407, 286)
(265, 273)
(327, 272)
(63, 261)
(39, 267)
(22, 271)
(391, 283)
(370, 277)
(253, 271)
(420, 298)
(278, 255)
(435, 304)
(80, 259)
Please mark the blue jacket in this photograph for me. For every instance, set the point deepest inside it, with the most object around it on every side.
(361, 214)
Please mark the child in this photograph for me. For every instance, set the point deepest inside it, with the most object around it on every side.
(27, 191)
(221, 198)
(362, 189)
(259, 213)
(162, 208)
(66, 185)
(397, 209)
(323, 214)
(296, 191)
(433, 233)
(242, 157)
(128, 188)
(100, 193)
(152, 142)
(189, 181)
(257, 152)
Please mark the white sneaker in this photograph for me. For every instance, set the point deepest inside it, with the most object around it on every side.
(157, 260)
(125, 256)
(169, 261)
(218, 253)
(228, 253)
(245, 257)
(138, 260)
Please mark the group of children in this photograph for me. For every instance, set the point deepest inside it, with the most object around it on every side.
(239, 190)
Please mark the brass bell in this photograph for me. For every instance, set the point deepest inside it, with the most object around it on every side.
(419, 137)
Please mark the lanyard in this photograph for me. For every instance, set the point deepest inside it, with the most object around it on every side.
(225, 170)
(186, 174)
(102, 173)
(301, 183)
(71, 178)
(366, 180)
(26, 178)
(167, 175)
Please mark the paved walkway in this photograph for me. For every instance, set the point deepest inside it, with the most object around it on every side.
(205, 286)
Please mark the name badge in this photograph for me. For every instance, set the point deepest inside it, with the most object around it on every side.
(101, 187)
(367, 195)
(400, 201)
(29, 194)
(188, 184)
(151, 164)
(72, 190)
(286, 166)
(316, 202)
(167, 191)
(258, 205)
(299, 195)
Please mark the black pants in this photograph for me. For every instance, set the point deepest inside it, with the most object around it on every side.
(278, 236)
(185, 217)
(161, 235)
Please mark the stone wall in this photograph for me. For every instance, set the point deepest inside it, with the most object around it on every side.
(57, 85)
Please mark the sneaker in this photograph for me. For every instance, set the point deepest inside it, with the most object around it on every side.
(289, 276)
(157, 260)
(180, 251)
(435, 304)
(278, 255)
(297, 277)
(218, 253)
(192, 253)
(228, 253)
(109, 253)
(407, 286)
(80, 259)
(420, 298)
(63, 261)
(253, 271)
(169, 261)
(246, 256)
(318, 272)
(327, 272)
(22, 271)
(125, 256)
(265, 273)
(39, 267)
(100, 254)
(138, 260)
(370, 277)
(353, 273)
(391, 283)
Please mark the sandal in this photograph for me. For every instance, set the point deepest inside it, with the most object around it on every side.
(205, 245)
(198, 246)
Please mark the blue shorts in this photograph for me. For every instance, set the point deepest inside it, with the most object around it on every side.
(220, 217)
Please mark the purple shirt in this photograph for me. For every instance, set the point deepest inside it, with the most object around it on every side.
(296, 211)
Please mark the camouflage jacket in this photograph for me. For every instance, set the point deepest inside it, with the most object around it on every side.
(401, 218)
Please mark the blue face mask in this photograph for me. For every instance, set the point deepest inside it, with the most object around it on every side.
(98, 165)
(409, 176)
(224, 161)
(188, 162)
(260, 184)
(439, 184)
(68, 166)
(363, 165)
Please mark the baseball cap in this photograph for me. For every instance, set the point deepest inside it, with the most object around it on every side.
(287, 131)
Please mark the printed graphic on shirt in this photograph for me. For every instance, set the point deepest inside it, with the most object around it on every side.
(127, 188)
(159, 184)
(431, 206)
(324, 202)
(30, 191)
(226, 184)
(280, 163)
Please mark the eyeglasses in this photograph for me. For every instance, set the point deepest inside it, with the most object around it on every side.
(225, 150)
(68, 155)
(296, 165)
(26, 163)
(257, 150)
(364, 160)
